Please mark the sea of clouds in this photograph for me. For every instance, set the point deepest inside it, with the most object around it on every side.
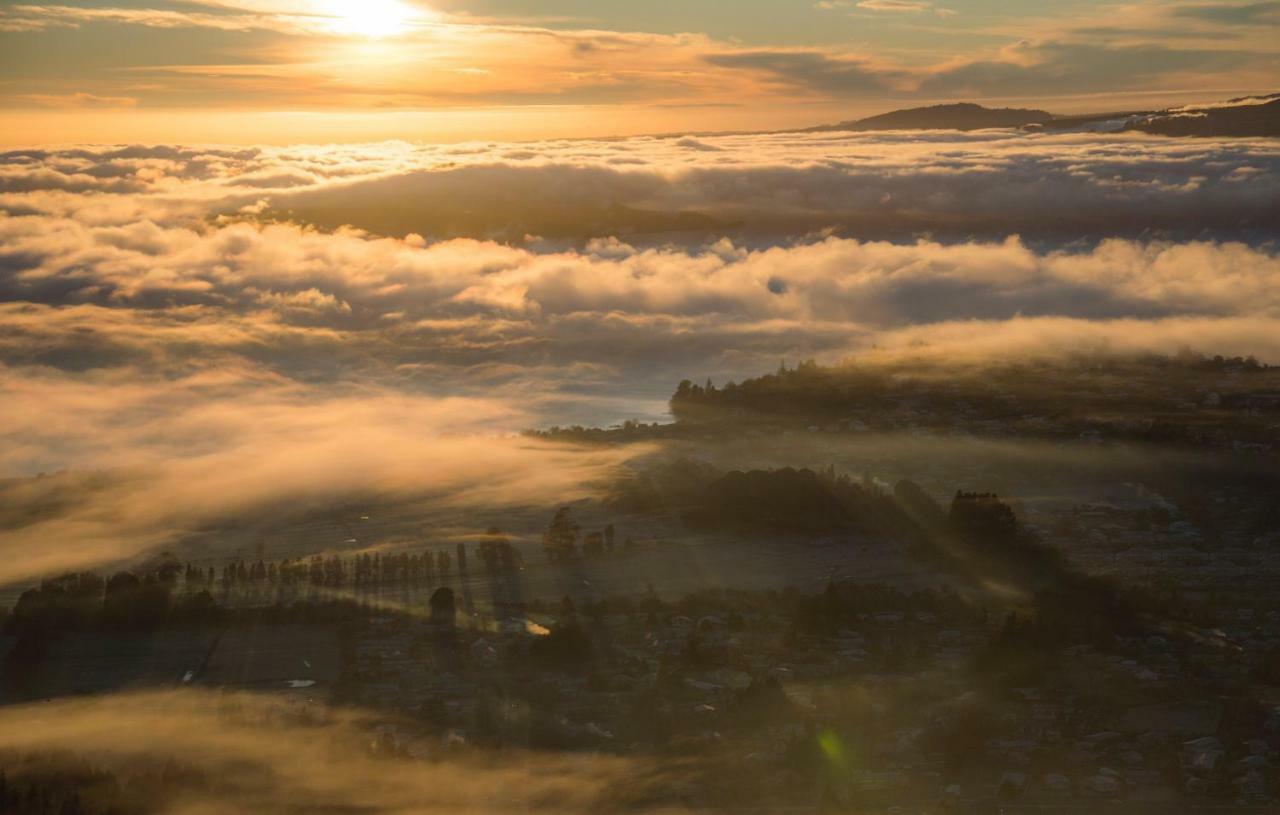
(223, 327)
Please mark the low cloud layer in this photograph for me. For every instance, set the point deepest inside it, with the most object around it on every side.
(867, 185)
(201, 325)
(668, 257)
(250, 753)
(135, 463)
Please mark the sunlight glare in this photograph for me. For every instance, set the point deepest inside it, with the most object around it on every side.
(369, 18)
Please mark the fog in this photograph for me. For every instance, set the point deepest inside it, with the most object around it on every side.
(177, 455)
(222, 330)
(260, 753)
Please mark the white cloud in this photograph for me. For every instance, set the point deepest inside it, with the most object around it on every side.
(894, 6)
(216, 362)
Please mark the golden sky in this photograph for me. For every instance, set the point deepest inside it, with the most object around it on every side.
(284, 71)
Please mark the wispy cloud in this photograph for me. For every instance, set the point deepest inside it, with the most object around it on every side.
(307, 758)
(295, 55)
(79, 100)
(21, 17)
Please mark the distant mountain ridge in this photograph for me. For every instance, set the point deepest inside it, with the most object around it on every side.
(958, 116)
(1237, 117)
(1244, 117)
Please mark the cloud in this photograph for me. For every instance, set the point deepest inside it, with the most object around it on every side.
(1047, 67)
(1139, 46)
(291, 55)
(1267, 13)
(1041, 68)
(158, 460)
(877, 185)
(813, 70)
(288, 56)
(868, 185)
(180, 347)
(35, 17)
(476, 318)
(293, 17)
(889, 6)
(980, 341)
(79, 100)
(152, 274)
(895, 6)
(304, 758)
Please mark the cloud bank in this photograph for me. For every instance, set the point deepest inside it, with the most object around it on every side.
(867, 185)
(221, 331)
(138, 462)
(306, 759)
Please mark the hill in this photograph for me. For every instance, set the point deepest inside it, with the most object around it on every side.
(959, 116)
(1256, 116)
(1251, 116)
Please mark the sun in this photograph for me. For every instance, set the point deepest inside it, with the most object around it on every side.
(368, 18)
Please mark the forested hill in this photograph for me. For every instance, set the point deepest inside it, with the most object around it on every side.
(1239, 117)
(1187, 398)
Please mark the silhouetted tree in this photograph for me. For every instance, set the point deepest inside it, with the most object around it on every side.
(561, 538)
(495, 551)
(129, 601)
(982, 519)
(443, 609)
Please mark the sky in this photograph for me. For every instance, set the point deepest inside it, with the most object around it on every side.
(288, 71)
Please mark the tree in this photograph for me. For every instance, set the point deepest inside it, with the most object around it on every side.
(130, 601)
(197, 606)
(560, 541)
(982, 520)
(443, 608)
(510, 557)
(495, 551)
